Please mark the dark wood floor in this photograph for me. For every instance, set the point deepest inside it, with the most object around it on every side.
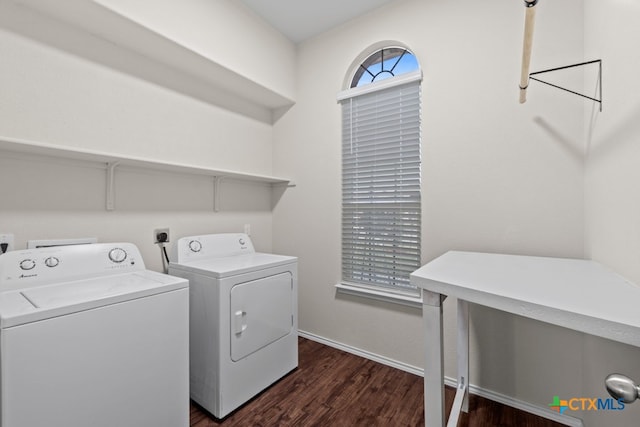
(334, 388)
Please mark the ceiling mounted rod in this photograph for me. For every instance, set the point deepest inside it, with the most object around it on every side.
(529, 23)
(598, 61)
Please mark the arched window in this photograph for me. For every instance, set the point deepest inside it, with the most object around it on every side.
(383, 64)
(381, 195)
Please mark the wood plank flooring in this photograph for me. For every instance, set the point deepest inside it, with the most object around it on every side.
(334, 388)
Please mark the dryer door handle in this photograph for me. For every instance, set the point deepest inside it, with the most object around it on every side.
(240, 324)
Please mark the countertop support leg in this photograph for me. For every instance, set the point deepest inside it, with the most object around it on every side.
(461, 401)
(463, 350)
(434, 415)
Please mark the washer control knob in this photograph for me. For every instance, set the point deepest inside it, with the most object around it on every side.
(51, 261)
(117, 255)
(195, 246)
(241, 241)
(27, 264)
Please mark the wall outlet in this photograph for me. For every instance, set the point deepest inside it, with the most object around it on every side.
(6, 242)
(247, 229)
(161, 235)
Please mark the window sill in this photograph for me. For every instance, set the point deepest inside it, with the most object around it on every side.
(406, 299)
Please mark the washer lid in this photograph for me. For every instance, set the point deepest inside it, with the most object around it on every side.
(38, 303)
(221, 267)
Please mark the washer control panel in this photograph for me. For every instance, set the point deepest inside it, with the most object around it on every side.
(54, 264)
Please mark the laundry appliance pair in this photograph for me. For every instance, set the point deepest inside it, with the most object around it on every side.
(89, 336)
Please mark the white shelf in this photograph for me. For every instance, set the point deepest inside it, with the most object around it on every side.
(112, 161)
(92, 31)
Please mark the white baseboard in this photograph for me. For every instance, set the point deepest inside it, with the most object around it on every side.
(540, 411)
(473, 389)
(362, 353)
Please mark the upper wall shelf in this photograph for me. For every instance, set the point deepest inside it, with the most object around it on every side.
(112, 161)
(94, 32)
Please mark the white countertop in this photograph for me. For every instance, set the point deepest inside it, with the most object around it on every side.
(574, 293)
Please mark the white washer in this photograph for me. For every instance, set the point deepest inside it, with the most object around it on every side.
(88, 336)
(244, 318)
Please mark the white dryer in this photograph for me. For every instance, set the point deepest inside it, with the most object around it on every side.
(243, 318)
(88, 336)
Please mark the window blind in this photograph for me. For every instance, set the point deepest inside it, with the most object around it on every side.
(381, 214)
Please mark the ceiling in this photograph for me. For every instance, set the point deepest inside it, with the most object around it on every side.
(299, 20)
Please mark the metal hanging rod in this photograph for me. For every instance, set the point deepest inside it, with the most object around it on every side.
(598, 61)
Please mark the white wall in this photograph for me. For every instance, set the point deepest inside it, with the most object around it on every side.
(612, 203)
(498, 176)
(52, 96)
(613, 209)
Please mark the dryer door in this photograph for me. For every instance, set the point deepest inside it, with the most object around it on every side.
(261, 313)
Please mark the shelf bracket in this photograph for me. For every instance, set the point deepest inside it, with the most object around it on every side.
(598, 61)
(217, 180)
(111, 188)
